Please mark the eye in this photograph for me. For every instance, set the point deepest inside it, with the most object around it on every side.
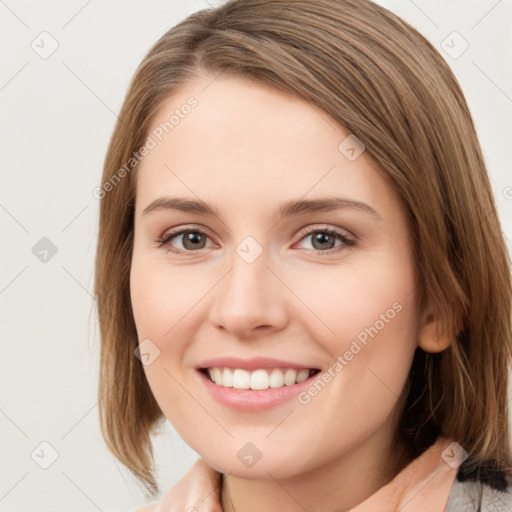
(194, 239)
(190, 240)
(324, 239)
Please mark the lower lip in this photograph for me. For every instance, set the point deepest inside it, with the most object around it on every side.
(251, 399)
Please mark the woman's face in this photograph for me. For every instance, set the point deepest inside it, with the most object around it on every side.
(305, 265)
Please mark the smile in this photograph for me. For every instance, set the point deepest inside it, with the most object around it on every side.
(254, 384)
(259, 379)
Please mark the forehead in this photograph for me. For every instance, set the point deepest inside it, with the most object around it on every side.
(244, 139)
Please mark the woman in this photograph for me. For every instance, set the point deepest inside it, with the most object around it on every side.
(301, 267)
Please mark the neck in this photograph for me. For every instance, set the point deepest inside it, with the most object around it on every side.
(336, 486)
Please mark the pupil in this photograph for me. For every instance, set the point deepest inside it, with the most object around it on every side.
(192, 238)
(322, 238)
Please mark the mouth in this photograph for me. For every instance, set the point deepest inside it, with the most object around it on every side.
(259, 379)
(254, 384)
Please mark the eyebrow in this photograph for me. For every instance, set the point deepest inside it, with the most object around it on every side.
(286, 209)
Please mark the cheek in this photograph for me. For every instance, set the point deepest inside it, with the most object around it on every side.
(165, 304)
(368, 328)
(373, 319)
(162, 297)
(363, 300)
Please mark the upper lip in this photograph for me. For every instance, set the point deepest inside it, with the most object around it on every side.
(251, 364)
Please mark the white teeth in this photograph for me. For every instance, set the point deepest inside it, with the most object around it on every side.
(258, 379)
(217, 375)
(290, 377)
(276, 379)
(227, 378)
(241, 379)
(302, 374)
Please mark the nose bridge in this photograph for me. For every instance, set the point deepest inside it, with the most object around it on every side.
(249, 295)
(247, 285)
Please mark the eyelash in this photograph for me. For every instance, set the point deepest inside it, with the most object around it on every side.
(166, 239)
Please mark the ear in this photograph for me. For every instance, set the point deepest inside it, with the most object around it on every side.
(429, 329)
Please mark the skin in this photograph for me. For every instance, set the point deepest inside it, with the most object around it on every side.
(243, 150)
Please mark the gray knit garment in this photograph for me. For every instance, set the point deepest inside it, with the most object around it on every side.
(472, 496)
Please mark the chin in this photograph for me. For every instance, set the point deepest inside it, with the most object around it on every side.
(266, 468)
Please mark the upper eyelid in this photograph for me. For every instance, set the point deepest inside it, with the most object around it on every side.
(194, 227)
(180, 230)
(311, 229)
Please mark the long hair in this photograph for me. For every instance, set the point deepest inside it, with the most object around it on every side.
(387, 85)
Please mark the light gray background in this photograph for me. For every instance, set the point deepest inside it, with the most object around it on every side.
(57, 114)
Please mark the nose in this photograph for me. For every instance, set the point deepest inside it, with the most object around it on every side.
(250, 301)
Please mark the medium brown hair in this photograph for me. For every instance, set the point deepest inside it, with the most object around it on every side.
(387, 85)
